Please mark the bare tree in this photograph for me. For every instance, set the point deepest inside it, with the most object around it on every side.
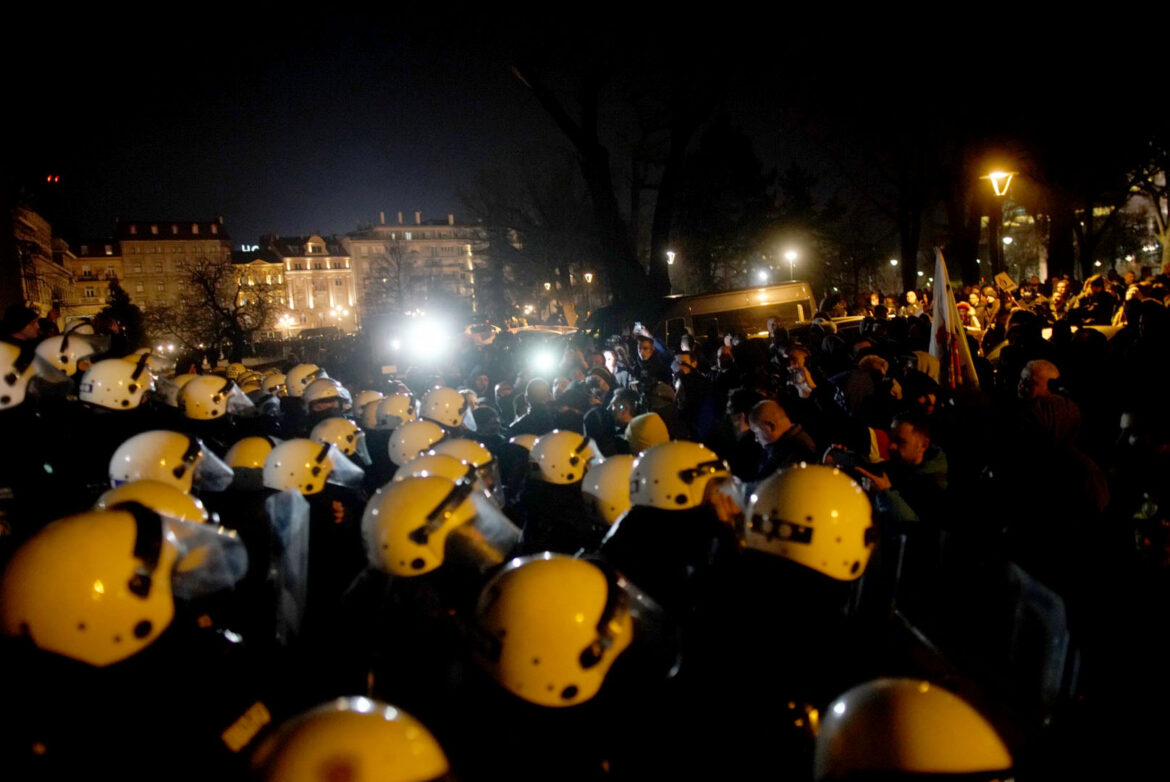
(1152, 180)
(383, 289)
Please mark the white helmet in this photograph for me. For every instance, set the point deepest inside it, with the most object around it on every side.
(363, 398)
(300, 376)
(815, 515)
(116, 384)
(392, 412)
(406, 523)
(306, 465)
(169, 457)
(607, 484)
(325, 389)
(235, 369)
(906, 726)
(207, 397)
(65, 350)
(249, 453)
(342, 432)
(674, 475)
(432, 463)
(562, 457)
(274, 384)
(486, 470)
(411, 439)
(446, 407)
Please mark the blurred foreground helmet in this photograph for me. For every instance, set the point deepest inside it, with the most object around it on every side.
(550, 628)
(300, 376)
(116, 384)
(815, 515)
(274, 384)
(352, 739)
(608, 486)
(447, 408)
(675, 475)
(562, 457)
(157, 364)
(176, 459)
(342, 432)
(99, 587)
(235, 369)
(16, 369)
(391, 413)
(249, 453)
(306, 466)
(65, 350)
(411, 439)
(892, 727)
(432, 463)
(162, 498)
(208, 397)
(326, 389)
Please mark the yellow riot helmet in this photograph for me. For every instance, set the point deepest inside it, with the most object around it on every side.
(674, 475)
(413, 438)
(116, 384)
(249, 453)
(363, 398)
(562, 457)
(306, 465)
(65, 350)
(160, 497)
(274, 384)
(525, 441)
(95, 587)
(342, 432)
(176, 459)
(206, 397)
(406, 523)
(608, 486)
(445, 406)
(906, 726)
(299, 377)
(352, 739)
(391, 413)
(815, 515)
(432, 463)
(550, 628)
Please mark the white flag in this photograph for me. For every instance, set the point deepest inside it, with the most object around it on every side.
(948, 338)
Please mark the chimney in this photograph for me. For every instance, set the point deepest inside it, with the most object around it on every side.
(381, 218)
(450, 219)
(418, 218)
(400, 218)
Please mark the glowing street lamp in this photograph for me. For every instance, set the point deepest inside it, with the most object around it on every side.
(1000, 181)
(588, 277)
(893, 262)
(790, 256)
(548, 286)
(670, 257)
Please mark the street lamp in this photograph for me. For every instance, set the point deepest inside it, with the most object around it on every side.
(588, 277)
(548, 286)
(790, 256)
(588, 285)
(670, 257)
(1000, 182)
(893, 262)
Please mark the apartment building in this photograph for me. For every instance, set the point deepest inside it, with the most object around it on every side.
(319, 284)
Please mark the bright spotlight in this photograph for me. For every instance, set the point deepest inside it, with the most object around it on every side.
(544, 361)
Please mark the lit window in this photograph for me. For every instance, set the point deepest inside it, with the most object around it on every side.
(138, 268)
(85, 249)
(133, 229)
(174, 228)
(89, 293)
(161, 287)
(154, 230)
(194, 228)
(158, 268)
(139, 287)
(214, 228)
(109, 249)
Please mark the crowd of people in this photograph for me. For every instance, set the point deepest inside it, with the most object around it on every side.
(811, 554)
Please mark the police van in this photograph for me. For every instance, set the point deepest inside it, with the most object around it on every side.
(747, 311)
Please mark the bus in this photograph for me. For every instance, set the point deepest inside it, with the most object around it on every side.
(747, 310)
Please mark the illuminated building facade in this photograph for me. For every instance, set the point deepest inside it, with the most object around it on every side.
(318, 283)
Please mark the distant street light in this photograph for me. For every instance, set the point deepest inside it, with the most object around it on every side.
(790, 256)
(588, 277)
(893, 262)
(588, 285)
(763, 275)
(1007, 240)
(670, 257)
(1000, 182)
(548, 286)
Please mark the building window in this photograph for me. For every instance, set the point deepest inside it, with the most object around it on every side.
(408, 235)
(85, 271)
(154, 230)
(139, 287)
(174, 229)
(90, 293)
(161, 287)
(138, 268)
(109, 272)
(195, 228)
(158, 268)
(85, 249)
(339, 282)
(316, 266)
(109, 249)
(214, 228)
(133, 229)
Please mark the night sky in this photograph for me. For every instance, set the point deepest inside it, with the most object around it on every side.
(292, 126)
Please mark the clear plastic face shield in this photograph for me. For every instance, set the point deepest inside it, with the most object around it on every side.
(209, 558)
(211, 472)
(486, 542)
(288, 513)
(345, 472)
(238, 402)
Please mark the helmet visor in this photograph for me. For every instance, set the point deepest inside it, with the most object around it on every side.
(288, 513)
(210, 558)
(212, 472)
(237, 401)
(344, 472)
(486, 542)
